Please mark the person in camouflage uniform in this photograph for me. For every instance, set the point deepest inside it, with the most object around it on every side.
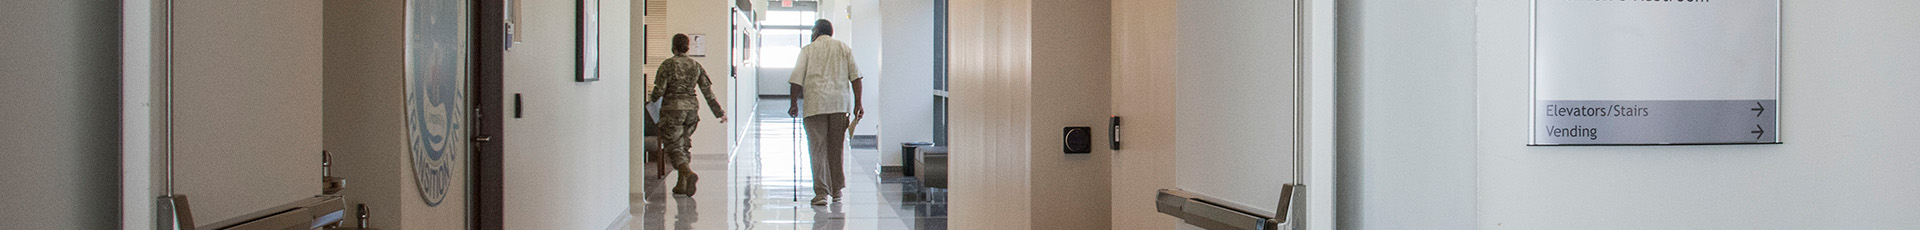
(679, 114)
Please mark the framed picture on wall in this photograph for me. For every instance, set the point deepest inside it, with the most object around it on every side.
(587, 65)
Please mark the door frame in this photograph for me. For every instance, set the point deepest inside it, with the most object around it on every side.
(487, 177)
(1321, 107)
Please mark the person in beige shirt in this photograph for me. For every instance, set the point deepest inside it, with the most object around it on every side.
(823, 76)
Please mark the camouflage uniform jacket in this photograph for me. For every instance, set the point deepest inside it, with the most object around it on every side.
(676, 80)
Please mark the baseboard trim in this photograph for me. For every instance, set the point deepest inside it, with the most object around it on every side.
(864, 142)
(735, 149)
(623, 220)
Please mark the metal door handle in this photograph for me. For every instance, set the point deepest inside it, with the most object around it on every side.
(482, 139)
(1213, 213)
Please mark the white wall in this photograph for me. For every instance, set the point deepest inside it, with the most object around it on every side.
(904, 98)
(1144, 84)
(861, 31)
(139, 126)
(1322, 113)
(1842, 166)
(1847, 162)
(1406, 82)
(566, 158)
(61, 131)
(1234, 94)
(248, 104)
(744, 94)
(775, 82)
(838, 12)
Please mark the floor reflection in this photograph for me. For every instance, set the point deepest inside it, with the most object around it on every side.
(768, 184)
(688, 214)
(655, 211)
(829, 217)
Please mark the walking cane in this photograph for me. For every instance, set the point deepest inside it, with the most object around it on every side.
(798, 124)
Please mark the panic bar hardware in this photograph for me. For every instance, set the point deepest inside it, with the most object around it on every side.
(1218, 214)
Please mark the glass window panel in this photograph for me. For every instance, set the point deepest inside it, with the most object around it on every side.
(779, 47)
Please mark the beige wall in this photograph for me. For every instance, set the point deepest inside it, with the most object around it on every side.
(1070, 88)
(736, 97)
(249, 104)
(60, 129)
(366, 119)
(1143, 70)
(991, 134)
(1017, 83)
(366, 106)
(710, 18)
(566, 162)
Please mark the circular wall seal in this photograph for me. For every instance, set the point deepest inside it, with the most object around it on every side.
(436, 93)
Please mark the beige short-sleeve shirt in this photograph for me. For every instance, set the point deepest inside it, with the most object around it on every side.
(825, 71)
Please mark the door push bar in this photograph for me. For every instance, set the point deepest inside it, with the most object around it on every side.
(172, 210)
(318, 212)
(324, 211)
(1218, 214)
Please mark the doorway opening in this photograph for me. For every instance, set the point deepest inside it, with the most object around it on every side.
(765, 179)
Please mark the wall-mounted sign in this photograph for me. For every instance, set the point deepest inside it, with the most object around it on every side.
(1655, 72)
(697, 45)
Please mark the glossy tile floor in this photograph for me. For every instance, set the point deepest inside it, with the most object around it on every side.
(767, 184)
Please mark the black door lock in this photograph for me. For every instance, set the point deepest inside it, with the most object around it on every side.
(1079, 140)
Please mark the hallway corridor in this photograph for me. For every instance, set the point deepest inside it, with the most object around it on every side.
(767, 184)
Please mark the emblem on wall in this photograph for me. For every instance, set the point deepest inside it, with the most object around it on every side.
(436, 85)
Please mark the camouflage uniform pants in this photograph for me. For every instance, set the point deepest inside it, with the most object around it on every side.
(676, 130)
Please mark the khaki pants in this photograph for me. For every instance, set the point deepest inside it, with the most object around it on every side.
(826, 144)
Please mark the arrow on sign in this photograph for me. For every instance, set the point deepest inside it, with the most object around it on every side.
(1757, 132)
(1758, 109)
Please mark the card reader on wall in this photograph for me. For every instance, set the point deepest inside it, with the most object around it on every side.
(1078, 140)
(1113, 133)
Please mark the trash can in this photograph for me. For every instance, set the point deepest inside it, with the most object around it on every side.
(906, 156)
